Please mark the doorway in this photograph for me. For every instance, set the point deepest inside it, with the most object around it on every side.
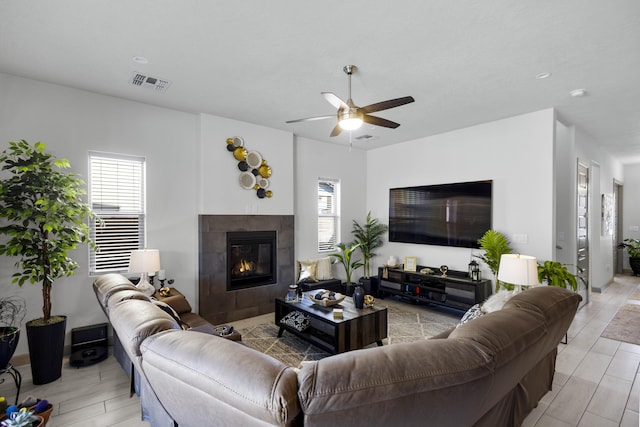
(617, 228)
(582, 222)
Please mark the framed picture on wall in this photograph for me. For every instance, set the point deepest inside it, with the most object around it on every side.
(409, 263)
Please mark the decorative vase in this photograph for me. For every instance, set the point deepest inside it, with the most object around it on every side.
(358, 296)
(634, 263)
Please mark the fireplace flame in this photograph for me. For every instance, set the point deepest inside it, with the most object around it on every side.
(244, 267)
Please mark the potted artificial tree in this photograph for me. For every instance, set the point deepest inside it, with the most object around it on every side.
(369, 236)
(345, 257)
(44, 218)
(633, 250)
(12, 312)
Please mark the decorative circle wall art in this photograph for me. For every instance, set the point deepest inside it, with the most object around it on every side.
(254, 169)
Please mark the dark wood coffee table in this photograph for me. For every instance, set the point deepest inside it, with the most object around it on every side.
(357, 329)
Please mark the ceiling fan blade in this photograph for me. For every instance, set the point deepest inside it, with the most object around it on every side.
(310, 119)
(334, 100)
(385, 105)
(336, 130)
(379, 121)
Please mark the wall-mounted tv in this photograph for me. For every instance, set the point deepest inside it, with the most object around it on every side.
(444, 215)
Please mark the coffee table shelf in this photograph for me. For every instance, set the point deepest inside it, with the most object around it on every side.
(357, 329)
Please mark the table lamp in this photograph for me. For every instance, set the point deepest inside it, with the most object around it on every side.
(519, 270)
(144, 261)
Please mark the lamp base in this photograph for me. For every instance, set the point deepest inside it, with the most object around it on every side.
(145, 287)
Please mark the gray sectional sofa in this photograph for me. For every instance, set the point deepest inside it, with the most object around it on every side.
(491, 371)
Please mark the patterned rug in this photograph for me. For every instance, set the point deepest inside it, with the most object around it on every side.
(625, 325)
(407, 323)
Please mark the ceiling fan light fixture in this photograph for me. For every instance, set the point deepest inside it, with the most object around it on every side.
(350, 120)
(351, 123)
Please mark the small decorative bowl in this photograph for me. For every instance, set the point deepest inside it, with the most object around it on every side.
(326, 302)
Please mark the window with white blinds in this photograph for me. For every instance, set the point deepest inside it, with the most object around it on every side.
(328, 213)
(117, 197)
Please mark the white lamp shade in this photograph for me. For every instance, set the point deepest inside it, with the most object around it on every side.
(521, 270)
(144, 261)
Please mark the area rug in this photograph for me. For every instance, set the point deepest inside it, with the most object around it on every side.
(407, 323)
(625, 325)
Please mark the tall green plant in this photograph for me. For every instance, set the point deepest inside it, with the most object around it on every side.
(345, 257)
(369, 236)
(494, 244)
(44, 216)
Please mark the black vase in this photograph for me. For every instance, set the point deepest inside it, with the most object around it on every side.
(46, 346)
(358, 296)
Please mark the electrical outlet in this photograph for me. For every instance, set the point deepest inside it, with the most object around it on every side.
(520, 238)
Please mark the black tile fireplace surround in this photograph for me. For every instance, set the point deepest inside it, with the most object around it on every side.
(216, 303)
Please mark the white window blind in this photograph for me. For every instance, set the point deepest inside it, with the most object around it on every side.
(117, 196)
(328, 213)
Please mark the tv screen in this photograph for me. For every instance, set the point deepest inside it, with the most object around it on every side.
(444, 215)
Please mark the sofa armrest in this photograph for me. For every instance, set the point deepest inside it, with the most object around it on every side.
(179, 303)
(229, 381)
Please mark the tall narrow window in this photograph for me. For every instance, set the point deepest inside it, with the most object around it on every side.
(117, 196)
(328, 213)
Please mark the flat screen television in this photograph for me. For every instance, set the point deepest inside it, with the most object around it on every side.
(445, 215)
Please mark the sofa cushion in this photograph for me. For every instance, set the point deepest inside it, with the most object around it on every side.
(136, 320)
(107, 285)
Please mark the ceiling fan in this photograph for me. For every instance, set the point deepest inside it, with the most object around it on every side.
(350, 116)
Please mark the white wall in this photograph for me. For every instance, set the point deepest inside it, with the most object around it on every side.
(313, 160)
(516, 153)
(71, 122)
(565, 195)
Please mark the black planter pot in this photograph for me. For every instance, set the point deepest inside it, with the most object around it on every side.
(9, 337)
(635, 265)
(46, 347)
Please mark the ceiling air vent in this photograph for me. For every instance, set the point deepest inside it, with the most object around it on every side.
(365, 137)
(154, 83)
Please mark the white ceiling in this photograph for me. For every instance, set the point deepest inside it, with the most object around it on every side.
(266, 62)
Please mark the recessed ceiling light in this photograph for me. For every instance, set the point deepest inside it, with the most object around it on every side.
(140, 60)
(576, 93)
(543, 76)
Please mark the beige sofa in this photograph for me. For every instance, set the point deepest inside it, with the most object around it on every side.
(491, 371)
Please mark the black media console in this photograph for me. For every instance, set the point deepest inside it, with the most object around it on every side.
(456, 290)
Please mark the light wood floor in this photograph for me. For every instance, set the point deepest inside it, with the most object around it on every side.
(596, 383)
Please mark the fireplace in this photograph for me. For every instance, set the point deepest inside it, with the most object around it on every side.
(251, 259)
(216, 303)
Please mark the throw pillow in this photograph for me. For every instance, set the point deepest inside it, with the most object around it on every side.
(171, 312)
(296, 320)
(307, 272)
(496, 301)
(471, 314)
(323, 269)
